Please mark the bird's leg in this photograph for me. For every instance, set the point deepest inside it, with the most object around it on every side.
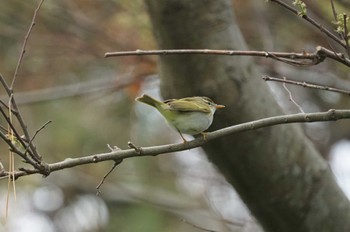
(204, 134)
(185, 141)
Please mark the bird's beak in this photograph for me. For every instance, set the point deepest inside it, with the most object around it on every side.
(219, 106)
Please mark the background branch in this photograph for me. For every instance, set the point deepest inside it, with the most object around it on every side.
(303, 58)
(15, 111)
(77, 89)
(25, 44)
(311, 21)
(306, 84)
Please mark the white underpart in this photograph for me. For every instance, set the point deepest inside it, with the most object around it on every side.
(193, 123)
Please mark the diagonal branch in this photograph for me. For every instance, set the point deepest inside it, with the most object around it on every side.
(311, 21)
(25, 43)
(35, 134)
(20, 120)
(21, 143)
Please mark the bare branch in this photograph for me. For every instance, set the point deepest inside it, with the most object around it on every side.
(345, 34)
(289, 55)
(5, 85)
(25, 43)
(303, 58)
(331, 115)
(17, 137)
(307, 85)
(334, 11)
(291, 96)
(311, 21)
(98, 187)
(15, 111)
(77, 89)
(12, 146)
(35, 134)
(9, 89)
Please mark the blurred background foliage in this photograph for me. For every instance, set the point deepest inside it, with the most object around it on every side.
(65, 78)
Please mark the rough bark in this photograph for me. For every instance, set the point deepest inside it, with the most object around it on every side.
(277, 171)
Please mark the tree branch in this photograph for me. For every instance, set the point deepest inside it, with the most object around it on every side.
(14, 109)
(330, 115)
(313, 22)
(77, 89)
(23, 50)
(306, 84)
(301, 59)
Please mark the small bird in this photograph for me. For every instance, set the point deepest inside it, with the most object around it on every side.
(190, 115)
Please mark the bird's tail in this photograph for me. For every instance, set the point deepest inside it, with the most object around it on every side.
(149, 100)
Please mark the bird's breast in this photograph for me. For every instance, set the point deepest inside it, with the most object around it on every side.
(192, 122)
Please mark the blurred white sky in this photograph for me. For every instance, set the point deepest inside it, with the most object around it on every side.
(340, 164)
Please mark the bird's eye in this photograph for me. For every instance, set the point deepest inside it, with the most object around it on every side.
(208, 101)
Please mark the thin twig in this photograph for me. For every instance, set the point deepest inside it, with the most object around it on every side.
(306, 84)
(8, 108)
(291, 61)
(13, 130)
(20, 140)
(345, 34)
(41, 128)
(98, 187)
(15, 111)
(34, 154)
(12, 146)
(35, 134)
(9, 89)
(3, 129)
(23, 50)
(334, 11)
(196, 226)
(291, 96)
(5, 85)
(136, 148)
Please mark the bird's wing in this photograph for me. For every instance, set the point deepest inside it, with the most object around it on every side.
(186, 106)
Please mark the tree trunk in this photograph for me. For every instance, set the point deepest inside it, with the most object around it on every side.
(277, 171)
